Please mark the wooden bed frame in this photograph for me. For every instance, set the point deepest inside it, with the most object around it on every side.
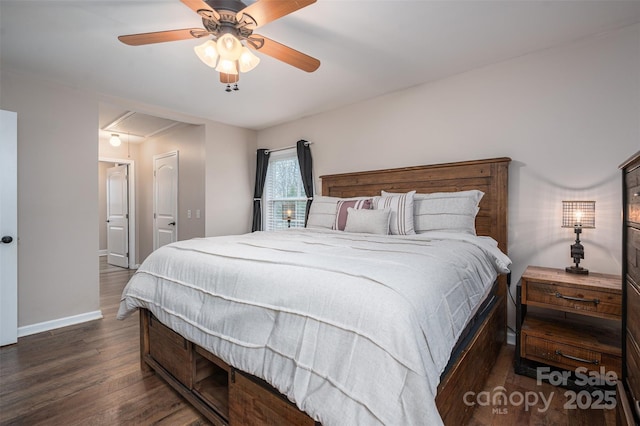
(226, 395)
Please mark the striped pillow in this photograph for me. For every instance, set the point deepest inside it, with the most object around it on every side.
(401, 206)
(447, 211)
(342, 212)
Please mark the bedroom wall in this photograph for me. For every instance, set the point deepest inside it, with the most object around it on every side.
(230, 179)
(567, 117)
(58, 281)
(57, 201)
(189, 141)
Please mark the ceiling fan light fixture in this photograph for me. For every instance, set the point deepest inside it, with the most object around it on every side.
(227, 67)
(248, 60)
(114, 140)
(208, 53)
(229, 47)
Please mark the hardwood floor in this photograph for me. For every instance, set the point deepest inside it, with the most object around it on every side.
(89, 374)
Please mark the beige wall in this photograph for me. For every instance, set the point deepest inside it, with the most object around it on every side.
(230, 179)
(189, 141)
(566, 116)
(57, 199)
(58, 189)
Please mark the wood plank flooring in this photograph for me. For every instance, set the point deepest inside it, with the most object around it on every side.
(89, 374)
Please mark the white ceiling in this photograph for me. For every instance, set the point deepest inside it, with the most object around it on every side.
(366, 47)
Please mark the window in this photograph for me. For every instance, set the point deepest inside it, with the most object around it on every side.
(284, 194)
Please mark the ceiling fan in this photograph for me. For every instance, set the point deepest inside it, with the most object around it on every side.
(231, 24)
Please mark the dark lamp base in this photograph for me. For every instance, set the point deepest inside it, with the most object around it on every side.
(577, 270)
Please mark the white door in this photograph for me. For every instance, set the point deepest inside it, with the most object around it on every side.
(165, 199)
(118, 216)
(8, 228)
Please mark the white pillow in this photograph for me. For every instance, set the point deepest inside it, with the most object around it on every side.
(322, 213)
(401, 206)
(447, 211)
(368, 221)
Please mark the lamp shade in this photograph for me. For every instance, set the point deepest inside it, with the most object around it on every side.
(207, 52)
(579, 214)
(226, 66)
(248, 60)
(288, 211)
(229, 47)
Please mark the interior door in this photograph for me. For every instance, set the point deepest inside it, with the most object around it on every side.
(165, 199)
(118, 216)
(8, 228)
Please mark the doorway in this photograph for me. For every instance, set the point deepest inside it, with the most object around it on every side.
(118, 221)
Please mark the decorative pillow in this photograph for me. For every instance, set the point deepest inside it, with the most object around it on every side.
(368, 221)
(322, 213)
(401, 206)
(342, 212)
(447, 211)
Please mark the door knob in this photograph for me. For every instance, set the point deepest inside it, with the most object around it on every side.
(7, 239)
(172, 223)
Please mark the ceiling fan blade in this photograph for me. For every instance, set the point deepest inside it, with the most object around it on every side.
(283, 53)
(162, 36)
(265, 11)
(201, 8)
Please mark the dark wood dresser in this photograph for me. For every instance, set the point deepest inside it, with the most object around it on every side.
(628, 408)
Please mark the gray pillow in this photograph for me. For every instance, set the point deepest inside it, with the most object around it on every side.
(368, 221)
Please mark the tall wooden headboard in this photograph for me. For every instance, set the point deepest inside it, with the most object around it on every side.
(489, 176)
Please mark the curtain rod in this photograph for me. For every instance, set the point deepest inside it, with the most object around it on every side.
(286, 147)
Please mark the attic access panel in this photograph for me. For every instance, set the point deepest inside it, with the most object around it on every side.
(139, 124)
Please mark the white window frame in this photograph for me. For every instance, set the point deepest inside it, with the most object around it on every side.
(299, 219)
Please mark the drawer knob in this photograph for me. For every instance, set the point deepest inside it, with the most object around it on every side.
(636, 194)
(577, 299)
(575, 358)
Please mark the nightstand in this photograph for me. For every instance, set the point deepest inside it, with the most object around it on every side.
(567, 321)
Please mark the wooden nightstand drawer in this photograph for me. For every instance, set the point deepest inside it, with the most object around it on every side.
(560, 355)
(569, 299)
(570, 345)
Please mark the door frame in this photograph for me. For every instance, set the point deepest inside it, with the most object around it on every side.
(132, 205)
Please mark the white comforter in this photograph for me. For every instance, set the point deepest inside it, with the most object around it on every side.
(355, 329)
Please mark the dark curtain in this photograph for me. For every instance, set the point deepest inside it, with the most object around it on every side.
(306, 170)
(262, 163)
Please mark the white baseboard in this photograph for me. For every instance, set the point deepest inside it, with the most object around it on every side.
(102, 252)
(28, 330)
(511, 337)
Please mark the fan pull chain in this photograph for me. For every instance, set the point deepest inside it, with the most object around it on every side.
(229, 89)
